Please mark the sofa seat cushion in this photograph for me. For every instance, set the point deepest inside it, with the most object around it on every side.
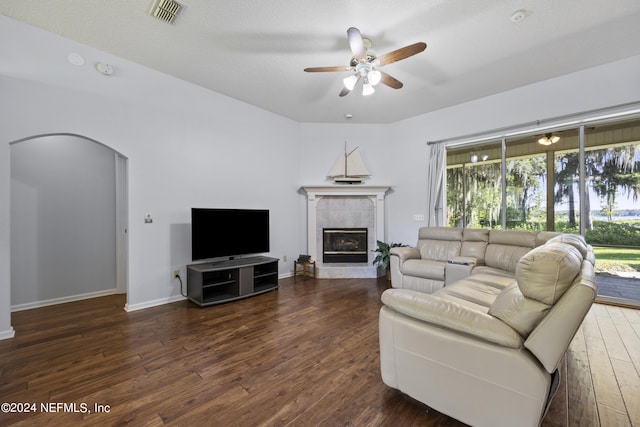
(424, 268)
(478, 290)
(441, 312)
(493, 271)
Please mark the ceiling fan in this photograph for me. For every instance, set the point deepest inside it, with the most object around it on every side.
(365, 64)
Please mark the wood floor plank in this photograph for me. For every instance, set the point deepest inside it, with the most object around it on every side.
(612, 340)
(304, 355)
(604, 380)
(629, 383)
(630, 335)
(582, 405)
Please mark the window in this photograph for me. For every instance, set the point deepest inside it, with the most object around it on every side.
(542, 189)
(474, 187)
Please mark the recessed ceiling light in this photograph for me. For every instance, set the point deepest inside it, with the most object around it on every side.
(348, 116)
(519, 15)
(75, 59)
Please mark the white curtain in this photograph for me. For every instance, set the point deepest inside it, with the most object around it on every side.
(435, 185)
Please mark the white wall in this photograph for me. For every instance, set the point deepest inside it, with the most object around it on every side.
(63, 216)
(6, 330)
(200, 149)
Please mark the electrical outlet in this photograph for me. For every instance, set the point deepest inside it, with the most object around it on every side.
(176, 274)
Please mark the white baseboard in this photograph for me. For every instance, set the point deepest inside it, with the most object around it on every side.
(62, 300)
(153, 303)
(9, 333)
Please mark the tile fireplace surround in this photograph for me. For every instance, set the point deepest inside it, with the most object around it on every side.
(345, 206)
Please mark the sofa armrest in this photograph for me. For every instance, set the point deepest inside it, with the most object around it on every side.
(451, 315)
(458, 268)
(405, 253)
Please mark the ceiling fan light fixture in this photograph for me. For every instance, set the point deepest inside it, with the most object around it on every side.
(548, 139)
(350, 82)
(367, 88)
(374, 77)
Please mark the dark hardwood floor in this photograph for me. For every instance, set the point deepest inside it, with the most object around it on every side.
(304, 355)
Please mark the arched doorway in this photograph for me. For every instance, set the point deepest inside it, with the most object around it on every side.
(68, 220)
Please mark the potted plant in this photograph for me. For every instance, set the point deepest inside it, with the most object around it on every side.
(384, 255)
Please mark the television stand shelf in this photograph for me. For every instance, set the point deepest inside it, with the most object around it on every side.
(222, 281)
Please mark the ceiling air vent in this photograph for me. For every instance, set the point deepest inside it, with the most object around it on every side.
(165, 10)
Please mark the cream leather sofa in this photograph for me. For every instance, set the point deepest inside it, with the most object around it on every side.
(444, 255)
(485, 348)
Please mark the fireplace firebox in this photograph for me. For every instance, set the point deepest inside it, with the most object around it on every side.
(344, 245)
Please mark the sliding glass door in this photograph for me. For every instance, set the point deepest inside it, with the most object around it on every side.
(582, 180)
(612, 201)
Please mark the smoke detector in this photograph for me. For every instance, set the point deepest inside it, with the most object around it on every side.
(104, 68)
(165, 10)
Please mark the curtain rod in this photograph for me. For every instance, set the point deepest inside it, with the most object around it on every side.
(535, 126)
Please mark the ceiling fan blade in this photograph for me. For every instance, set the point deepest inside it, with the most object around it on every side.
(344, 92)
(355, 42)
(326, 69)
(402, 53)
(390, 81)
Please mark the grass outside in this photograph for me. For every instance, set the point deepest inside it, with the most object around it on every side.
(617, 260)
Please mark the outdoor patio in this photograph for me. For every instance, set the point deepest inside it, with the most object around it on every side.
(620, 287)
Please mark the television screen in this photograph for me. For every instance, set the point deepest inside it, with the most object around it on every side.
(219, 233)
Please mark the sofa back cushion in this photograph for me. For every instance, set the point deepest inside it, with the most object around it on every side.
(439, 250)
(506, 247)
(546, 272)
(518, 311)
(574, 240)
(440, 233)
(439, 243)
(542, 276)
(474, 243)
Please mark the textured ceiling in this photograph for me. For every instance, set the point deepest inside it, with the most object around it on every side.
(255, 51)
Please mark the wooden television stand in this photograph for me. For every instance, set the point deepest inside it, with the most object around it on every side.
(222, 281)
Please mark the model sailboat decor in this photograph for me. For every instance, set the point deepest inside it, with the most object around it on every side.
(350, 168)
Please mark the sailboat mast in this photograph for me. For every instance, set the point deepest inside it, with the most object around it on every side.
(345, 160)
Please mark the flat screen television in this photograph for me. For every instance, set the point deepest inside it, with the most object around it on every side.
(217, 233)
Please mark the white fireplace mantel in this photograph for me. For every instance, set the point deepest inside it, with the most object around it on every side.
(316, 192)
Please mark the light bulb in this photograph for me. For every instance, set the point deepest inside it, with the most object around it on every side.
(367, 89)
(374, 77)
(350, 82)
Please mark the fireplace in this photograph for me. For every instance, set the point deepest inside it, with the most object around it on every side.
(344, 245)
(344, 206)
